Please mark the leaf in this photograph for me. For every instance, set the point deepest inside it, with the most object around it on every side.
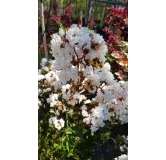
(84, 130)
(52, 110)
(55, 145)
(70, 154)
(69, 131)
(119, 138)
(67, 146)
(70, 112)
(92, 134)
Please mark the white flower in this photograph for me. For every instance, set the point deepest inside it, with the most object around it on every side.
(82, 98)
(106, 67)
(122, 157)
(61, 32)
(52, 97)
(52, 120)
(40, 77)
(96, 117)
(109, 78)
(84, 113)
(87, 120)
(87, 101)
(66, 91)
(59, 123)
(43, 61)
(88, 71)
(55, 44)
(74, 73)
(97, 38)
(50, 77)
(72, 102)
(94, 128)
(46, 69)
(65, 88)
(84, 107)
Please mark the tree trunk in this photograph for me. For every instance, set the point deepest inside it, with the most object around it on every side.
(43, 28)
(89, 8)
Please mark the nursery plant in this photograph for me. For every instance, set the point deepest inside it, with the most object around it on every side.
(81, 105)
(116, 37)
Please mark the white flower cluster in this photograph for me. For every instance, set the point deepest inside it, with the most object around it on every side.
(112, 101)
(78, 70)
(53, 101)
(122, 157)
(59, 123)
(46, 76)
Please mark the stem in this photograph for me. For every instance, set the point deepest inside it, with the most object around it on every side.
(43, 28)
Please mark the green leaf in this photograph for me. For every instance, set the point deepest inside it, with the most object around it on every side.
(92, 134)
(119, 138)
(69, 131)
(84, 130)
(52, 110)
(70, 112)
(70, 154)
(67, 146)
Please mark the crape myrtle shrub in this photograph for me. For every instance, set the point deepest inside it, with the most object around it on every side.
(80, 102)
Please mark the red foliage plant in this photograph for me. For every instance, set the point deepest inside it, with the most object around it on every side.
(69, 9)
(116, 31)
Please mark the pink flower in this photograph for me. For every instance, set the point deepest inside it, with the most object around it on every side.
(105, 29)
(107, 9)
(112, 38)
(120, 11)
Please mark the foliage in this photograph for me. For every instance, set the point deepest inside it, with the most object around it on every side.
(116, 29)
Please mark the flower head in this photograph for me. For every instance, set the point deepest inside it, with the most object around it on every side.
(59, 124)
